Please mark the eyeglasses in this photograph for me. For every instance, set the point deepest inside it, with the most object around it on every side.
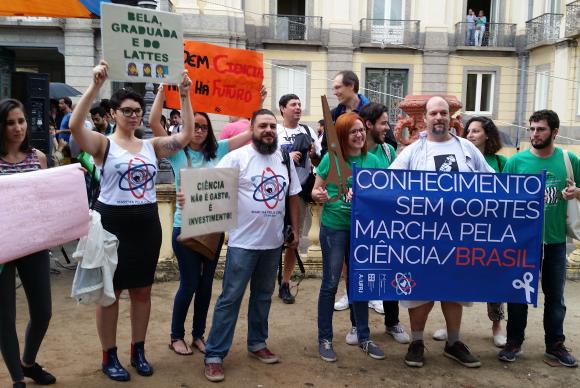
(537, 129)
(354, 131)
(202, 128)
(128, 112)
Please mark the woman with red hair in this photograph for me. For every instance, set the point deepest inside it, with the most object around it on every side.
(335, 235)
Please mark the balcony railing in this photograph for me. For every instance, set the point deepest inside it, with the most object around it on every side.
(293, 27)
(544, 28)
(573, 18)
(390, 32)
(495, 35)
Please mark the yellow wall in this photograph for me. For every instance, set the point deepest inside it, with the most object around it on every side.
(318, 80)
(538, 57)
(505, 90)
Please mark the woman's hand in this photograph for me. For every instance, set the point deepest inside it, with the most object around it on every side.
(185, 84)
(100, 73)
(161, 90)
(320, 195)
(180, 198)
(349, 195)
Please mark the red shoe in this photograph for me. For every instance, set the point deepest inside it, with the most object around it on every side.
(266, 356)
(214, 372)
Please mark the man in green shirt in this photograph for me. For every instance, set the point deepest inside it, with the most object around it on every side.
(376, 120)
(544, 155)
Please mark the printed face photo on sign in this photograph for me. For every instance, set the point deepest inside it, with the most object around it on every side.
(446, 163)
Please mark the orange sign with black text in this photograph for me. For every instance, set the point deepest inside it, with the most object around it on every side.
(225, 80)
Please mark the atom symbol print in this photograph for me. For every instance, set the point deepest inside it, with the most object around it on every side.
(138, 178)
(269, 188)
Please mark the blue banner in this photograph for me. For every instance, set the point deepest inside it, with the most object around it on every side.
(465, 237)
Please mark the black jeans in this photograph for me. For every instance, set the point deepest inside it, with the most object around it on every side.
(553, 280)
(34, 272)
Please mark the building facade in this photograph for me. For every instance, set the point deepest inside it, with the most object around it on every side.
(527, 59)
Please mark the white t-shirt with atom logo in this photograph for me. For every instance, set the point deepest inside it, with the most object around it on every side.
(261, 197)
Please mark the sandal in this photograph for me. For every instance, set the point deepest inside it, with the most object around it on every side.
(188, 352)
(194, 344)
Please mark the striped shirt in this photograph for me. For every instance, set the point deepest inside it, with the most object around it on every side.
(29, 163)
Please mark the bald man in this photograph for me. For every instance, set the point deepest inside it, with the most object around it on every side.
(437, 149)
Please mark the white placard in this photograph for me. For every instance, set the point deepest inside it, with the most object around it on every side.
(142, 45)
(211, 200)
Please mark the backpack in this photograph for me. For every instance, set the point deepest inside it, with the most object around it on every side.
(308, 185)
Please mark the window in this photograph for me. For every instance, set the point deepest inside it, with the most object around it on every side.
(290, 79)
(480, 90)
(542, 83)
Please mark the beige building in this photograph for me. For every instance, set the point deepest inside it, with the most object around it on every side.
(527, 59)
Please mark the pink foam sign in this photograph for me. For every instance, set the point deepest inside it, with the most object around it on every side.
(41, 209)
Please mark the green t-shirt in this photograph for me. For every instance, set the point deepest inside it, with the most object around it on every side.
(379, 152)
(336, 215)
(555, 205)
(493, 160)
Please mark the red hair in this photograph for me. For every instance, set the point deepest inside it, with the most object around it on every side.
(343, 125)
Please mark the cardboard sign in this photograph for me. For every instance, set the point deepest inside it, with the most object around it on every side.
(141, 45)
(226, 81)
(41, 209)
(465, 237)
(211, 200)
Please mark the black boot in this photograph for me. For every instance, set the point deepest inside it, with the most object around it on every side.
(112, 366)
(39, 375)
(138, 360)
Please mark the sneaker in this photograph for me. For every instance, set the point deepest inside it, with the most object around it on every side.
(214, 372)
(414, 356)
(352, 337)
(440, 335)
(370, 348)
(559, 352)
(462, 354)
(326, 351)
(266, 356)
(285, 295)
(341, 304)
(377, 305)
(499, 340)
(510, 352)
(399, 334)
(38, 374)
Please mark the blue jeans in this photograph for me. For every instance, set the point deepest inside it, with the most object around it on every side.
(259, 267)
(470, 37)
(335, 246)
(195, 277)
(553, 281)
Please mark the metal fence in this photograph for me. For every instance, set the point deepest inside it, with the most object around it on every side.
(494, 35)
(544, 28)
(573, 18)
(390, 32)
(293, 27)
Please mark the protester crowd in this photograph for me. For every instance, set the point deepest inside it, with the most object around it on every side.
(269, 229)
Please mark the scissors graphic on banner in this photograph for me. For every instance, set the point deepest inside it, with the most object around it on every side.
(525, 284)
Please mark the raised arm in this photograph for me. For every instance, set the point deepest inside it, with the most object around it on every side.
(155, 114)
(90, 141)
(168, 145)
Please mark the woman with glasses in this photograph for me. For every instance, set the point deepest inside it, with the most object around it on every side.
(128, 208)
(196, 271)
(16, 157)
(335, 235)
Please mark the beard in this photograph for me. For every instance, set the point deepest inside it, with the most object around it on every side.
(265, 148)
(377, 138)
(542, 144)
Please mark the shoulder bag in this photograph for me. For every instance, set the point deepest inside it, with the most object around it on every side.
(573, 212)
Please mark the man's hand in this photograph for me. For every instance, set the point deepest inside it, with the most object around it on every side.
(571, 191)
(295, 155)
(295, 240)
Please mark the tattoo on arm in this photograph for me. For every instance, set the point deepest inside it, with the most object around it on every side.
(172, 145)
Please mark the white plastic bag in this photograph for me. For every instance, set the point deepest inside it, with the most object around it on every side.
(96, 254)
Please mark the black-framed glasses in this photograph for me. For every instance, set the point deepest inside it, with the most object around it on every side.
(202, 128)
(128, 112)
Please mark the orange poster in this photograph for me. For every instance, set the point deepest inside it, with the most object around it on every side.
(226, 81)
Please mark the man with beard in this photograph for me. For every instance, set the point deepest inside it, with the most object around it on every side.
(254, 247)
(299, 141)
(544, 156)
(437, 149)
(376, 119)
